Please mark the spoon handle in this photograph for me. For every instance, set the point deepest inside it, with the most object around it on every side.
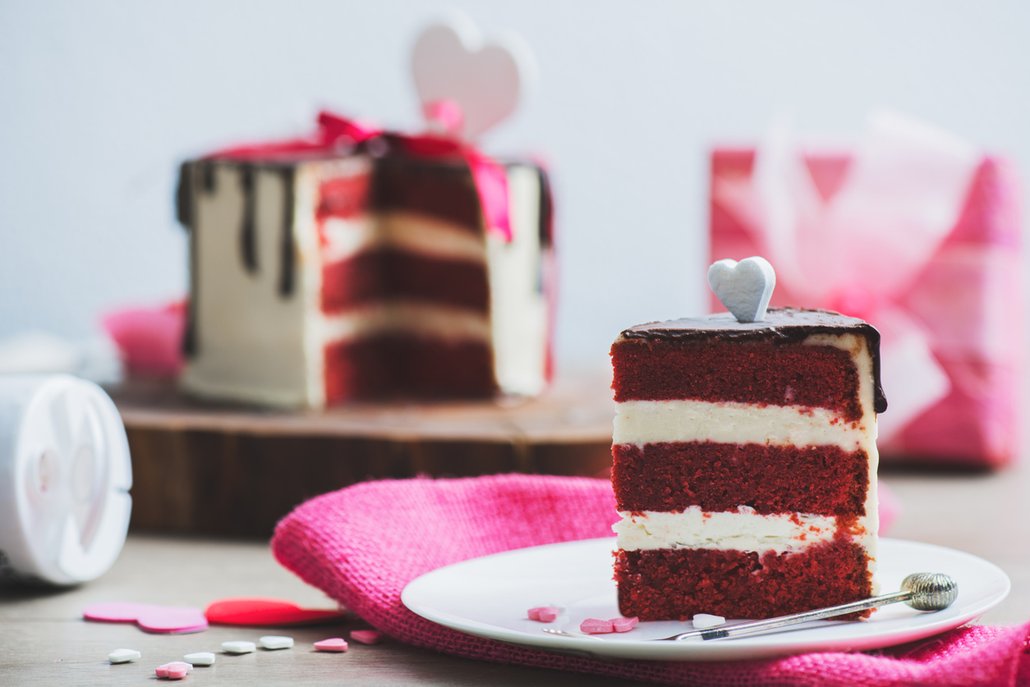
(758, 626)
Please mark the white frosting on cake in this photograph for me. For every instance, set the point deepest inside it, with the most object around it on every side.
(740, 530)
(406, 231)
(250, 340)
(518, 304)
(647, 422)
(419, 319)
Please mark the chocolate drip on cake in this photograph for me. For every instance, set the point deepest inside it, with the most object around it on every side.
(248, 224)
(189, 335)
(184, 195)
(546, 208)
(781, 326)
(287, 250)
(208, 178)
(185, 210)
(546, 219)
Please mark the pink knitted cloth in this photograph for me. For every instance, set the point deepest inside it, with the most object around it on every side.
(363, 544)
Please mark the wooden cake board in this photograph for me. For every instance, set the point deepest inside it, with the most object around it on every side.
(228, 470)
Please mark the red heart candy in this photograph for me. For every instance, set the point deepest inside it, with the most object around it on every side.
(266, 613)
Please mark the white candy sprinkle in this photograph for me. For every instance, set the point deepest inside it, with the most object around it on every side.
(276, 642)
(123, 656)
(703, 621)
(200, 658)
(238, 647)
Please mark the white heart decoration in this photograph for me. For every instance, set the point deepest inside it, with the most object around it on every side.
(450, 62)
(744, 287)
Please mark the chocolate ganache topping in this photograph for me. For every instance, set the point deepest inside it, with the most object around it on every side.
(781, 325)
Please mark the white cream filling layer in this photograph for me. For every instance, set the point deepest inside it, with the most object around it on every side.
(436, 321)
(648, 422)
(740, 530)
(407, 231)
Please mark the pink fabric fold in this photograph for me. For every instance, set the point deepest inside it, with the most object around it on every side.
(362, 545)
(149, 338)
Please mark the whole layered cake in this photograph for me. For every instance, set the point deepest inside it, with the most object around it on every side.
(745, 464)
(324, 272)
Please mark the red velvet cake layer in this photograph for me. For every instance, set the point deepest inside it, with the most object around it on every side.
(380, 275)
(444, 190)
(741, 371)
(407, 365)
(343, 197)
(676, 584)
(822, 480)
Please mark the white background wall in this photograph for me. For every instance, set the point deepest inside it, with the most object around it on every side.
(99, 100)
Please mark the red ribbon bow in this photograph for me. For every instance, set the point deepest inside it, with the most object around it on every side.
(337, 133)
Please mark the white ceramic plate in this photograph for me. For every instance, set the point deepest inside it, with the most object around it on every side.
(489, 597)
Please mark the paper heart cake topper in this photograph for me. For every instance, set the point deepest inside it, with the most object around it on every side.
(467, 85)
(744, 287)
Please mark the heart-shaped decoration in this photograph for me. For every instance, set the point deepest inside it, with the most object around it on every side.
(172, 620)
(149, 617)
(744, 287)
(336, 645)
(452, 64)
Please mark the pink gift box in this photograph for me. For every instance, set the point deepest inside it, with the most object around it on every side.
(963, 300)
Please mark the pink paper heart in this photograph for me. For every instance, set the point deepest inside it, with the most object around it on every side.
(115, 611)
(149, 617)
(172, 620)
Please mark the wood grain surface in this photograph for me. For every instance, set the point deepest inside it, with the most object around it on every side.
(230, 470)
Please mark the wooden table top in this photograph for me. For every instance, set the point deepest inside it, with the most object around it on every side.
(43, 640)
(183, 449)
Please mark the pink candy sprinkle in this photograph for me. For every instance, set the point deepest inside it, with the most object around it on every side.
(624, 624)
(548, 615)
(334, 644)
(176, 670)
(366, 636)
(544, 614)
(596, 626)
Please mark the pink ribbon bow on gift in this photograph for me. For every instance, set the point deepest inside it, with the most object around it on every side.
(338, 133)
(859, 250)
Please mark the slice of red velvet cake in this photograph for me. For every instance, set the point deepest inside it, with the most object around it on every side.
(745, 464)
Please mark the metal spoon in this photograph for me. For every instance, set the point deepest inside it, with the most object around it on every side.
(921, 591)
